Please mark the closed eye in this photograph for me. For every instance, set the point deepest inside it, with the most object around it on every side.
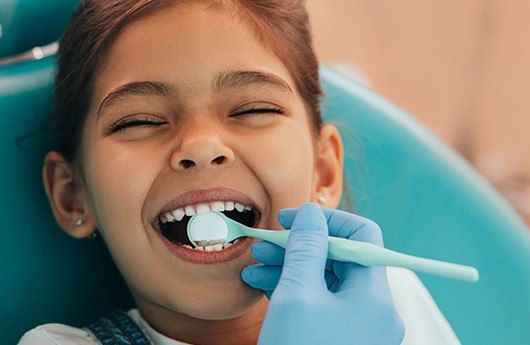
(257, 108)
(135, 121)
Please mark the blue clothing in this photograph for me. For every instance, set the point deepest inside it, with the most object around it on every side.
(118, 329)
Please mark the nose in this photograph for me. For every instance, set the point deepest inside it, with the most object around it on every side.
(201, 147)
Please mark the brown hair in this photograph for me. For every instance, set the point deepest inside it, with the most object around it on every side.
(282, 25)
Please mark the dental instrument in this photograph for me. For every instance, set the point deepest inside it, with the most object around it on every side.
(214, 227)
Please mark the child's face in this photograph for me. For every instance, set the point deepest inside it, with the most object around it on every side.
(129, 176)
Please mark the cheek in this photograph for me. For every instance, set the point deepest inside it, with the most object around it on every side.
(286, 166)
(118, 180)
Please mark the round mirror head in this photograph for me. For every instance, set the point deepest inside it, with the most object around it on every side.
(207, 229)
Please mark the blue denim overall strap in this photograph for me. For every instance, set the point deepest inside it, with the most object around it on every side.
(118, 328)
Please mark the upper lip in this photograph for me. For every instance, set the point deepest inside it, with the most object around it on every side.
(198, 196)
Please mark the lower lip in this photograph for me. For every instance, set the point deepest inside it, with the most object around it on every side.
(207, 258)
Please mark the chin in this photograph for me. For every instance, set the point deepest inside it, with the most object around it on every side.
(224, 305)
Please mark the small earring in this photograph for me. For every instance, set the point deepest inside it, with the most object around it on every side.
(322, 200)
(68, 172)
(93, 236)
(79, 222)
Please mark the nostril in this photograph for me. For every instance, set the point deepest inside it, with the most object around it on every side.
(219, 160)
(186, 163)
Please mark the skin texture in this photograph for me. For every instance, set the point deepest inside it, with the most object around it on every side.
(126, 177)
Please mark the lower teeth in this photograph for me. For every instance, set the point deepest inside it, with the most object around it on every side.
(212, 248)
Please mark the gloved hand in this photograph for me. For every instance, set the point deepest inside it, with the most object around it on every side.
(318, 301)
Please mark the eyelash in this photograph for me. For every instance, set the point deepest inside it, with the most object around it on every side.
(133, 122)
(273, 111)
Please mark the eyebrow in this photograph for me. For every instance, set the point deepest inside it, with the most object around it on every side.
(138, 88)
(231, 79)
(223, 80)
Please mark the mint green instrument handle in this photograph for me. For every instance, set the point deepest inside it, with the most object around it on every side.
(367, 254)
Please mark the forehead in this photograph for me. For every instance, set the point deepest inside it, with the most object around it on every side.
(187, 45)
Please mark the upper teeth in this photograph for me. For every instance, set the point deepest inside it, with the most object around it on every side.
(190, 210)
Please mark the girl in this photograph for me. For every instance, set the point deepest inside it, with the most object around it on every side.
(170, 108)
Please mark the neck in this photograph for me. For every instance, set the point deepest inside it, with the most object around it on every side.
(240, 330)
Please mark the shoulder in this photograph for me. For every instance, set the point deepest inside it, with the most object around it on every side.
(57, 334)
(424, 322)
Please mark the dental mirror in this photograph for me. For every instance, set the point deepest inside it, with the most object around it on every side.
(207, 229)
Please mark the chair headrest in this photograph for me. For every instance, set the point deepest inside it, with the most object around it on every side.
(25, 24)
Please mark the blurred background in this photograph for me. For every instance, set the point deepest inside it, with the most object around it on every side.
(462, 68)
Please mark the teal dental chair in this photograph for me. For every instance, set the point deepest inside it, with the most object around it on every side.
(427, 200)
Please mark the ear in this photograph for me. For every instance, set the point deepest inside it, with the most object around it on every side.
(328, 178)
(65, 196)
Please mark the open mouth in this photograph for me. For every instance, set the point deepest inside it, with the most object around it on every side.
(173, 224)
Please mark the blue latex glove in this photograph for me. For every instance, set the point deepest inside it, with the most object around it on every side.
(318, 301)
